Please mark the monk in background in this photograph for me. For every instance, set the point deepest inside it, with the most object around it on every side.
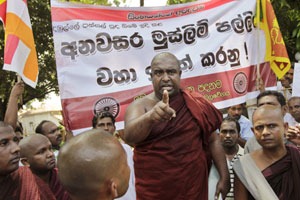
(37, 154)
(15, 183)
(272, 172)
(173, 131)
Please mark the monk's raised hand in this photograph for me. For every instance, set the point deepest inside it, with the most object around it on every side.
(162, 112)
(165, 97)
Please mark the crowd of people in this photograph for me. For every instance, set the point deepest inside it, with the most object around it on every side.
(173, 139)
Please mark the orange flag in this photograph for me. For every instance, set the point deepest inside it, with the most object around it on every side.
(276, 52)
(19, 51)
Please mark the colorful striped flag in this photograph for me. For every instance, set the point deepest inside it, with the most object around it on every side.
(276, 51)
(19, 52)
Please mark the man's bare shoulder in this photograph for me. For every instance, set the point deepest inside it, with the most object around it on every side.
(144, 102)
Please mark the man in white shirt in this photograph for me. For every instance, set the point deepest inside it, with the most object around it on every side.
(245, 124)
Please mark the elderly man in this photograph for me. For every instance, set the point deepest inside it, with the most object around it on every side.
(36, 153)
(15, 182)
(93, 166)
(271, 172)
(174, 135)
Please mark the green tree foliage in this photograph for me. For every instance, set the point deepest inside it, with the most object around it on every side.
(287, 11)
(288, 16)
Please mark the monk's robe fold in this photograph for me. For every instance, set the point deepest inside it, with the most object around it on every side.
(20, 184)
(54, 190)
(284, 175)
(57, 188)
(172, 162)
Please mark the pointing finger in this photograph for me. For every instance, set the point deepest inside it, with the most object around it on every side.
(165, 98)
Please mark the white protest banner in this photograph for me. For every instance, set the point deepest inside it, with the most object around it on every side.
(296, 81)
(103, 54)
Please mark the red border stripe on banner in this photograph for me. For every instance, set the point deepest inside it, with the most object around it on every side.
(80, 110)
(109, 14)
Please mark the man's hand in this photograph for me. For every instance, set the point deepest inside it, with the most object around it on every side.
(162, 112)
(293, 134)
(17, 89)
(260, 84)
(222, 187)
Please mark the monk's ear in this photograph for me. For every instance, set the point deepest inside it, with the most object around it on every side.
(113, 189)
(25, 162)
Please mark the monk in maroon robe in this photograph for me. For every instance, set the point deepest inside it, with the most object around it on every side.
(284, 175)
(173, 133)
(19, 184)
(272, 172)
(15, 183)
(36, 153)
(54, 189)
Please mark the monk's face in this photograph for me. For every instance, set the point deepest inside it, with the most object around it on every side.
(53, 133)
(9, 151)
(269, 128)
(229, 134)
(165, 74)
(294, 108)
(40, 155)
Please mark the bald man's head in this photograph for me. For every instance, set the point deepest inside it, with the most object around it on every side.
(269, 126)
(93, 165)
(36, 152)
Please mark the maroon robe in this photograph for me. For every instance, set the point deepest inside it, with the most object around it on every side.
(54, 190)
(19, 184)
(284, 175)
(173, 161)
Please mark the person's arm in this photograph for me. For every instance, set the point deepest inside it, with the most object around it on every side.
(11, 114)
(139, 122)
(218, 156)
(240, 192)
(241, 142)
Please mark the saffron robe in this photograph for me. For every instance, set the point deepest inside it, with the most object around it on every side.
(173, 161)
(54, 190)
(19, 184)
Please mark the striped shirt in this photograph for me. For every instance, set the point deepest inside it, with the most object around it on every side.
(230, 195)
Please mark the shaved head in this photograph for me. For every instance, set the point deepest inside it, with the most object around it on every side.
(267, 110)
(28, 144)
(162, 56)
(90, 163)
(9, 149)
(36, 152)
(269, 127)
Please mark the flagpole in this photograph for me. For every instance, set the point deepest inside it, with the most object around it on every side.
(258, 75)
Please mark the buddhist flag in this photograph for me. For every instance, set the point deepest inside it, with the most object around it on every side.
(19, 51)
(276, 52)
